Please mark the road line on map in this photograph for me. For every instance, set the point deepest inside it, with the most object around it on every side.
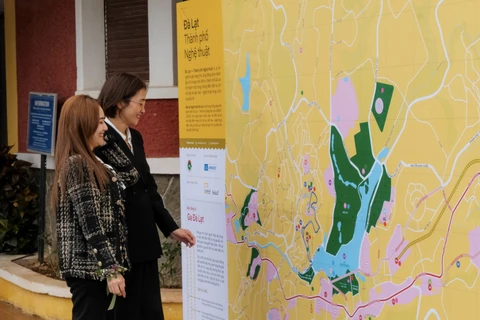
(417, 277)
(447, 203)
(462, 175)
(346, 275)
(432, 95)
(459, 154)
(425, 197)
(423, 274)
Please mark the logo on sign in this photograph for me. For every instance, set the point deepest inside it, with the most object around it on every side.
(189, 165)
(209, 167)
(207, 190)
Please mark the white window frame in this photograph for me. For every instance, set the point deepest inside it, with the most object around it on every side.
(90, 39)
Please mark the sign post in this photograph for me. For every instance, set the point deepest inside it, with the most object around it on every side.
(201, 98)
(42, 118)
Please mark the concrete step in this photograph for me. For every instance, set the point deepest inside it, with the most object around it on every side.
(9, 312)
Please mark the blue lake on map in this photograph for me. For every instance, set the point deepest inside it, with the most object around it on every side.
(348, 256)
(245, 82)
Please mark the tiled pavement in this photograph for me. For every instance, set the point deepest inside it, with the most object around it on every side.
(8, 312)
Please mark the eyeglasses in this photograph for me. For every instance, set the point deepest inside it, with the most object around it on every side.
(140, 103)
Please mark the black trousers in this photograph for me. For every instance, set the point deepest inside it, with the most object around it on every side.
(90, 299)
(143, 301)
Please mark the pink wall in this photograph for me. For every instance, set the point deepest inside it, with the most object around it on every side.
(45, 35)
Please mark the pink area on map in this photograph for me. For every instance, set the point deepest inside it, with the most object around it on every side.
(271, 272)
(474, 238)
(389, 290)
(407, 296)
(326, 288)
(274, 314)
(365, 264)
(326, 293)
(431, 285)
(256, 262)
(230, 231)
(379, 105)
(252, 215)
(344, 111)
(306, 164)
(392, 294)
(329, 181)
(292, 303)
(395, 246)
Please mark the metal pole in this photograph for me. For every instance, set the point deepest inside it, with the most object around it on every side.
(41, 220)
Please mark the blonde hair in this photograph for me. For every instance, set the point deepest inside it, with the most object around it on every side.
(78, 122)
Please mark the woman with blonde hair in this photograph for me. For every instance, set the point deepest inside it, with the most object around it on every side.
(89, 205)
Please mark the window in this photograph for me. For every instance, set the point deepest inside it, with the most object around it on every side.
(94, 53)
(126, 37)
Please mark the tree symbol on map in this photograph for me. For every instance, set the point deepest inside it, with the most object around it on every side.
(255, 264)
(381, 103)
(249, 213)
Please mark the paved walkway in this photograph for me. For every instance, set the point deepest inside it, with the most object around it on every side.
(8, 312)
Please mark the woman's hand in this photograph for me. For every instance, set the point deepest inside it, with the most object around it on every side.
(116, 285)
(185, 236)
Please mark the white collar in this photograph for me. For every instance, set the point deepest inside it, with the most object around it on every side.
(124, 137)
(122, 134)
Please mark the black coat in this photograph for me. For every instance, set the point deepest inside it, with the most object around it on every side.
(144, 206)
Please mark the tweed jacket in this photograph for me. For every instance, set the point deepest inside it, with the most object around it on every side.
(91, 226)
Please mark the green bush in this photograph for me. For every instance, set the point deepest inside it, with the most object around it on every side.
(19, 205)
(170, 267)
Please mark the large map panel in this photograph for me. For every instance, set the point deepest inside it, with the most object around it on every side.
(353, 159)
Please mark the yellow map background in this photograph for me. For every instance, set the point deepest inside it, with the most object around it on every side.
(299, 52)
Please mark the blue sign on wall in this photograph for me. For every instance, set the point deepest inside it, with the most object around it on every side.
(42, 123)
